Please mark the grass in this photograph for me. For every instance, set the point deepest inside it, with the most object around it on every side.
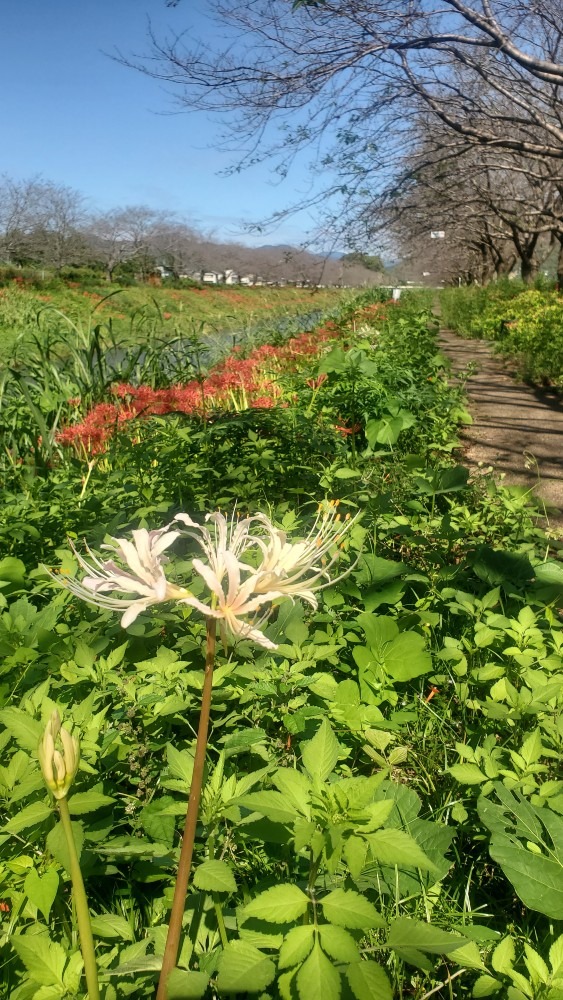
(132, 314)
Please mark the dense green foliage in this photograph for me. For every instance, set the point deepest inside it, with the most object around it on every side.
(382, 813)
(526, 325)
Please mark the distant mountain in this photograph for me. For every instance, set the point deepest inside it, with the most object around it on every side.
(286, 248)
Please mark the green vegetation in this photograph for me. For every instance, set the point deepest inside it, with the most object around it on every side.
(382, 812)
(53, 309)
(527, 325)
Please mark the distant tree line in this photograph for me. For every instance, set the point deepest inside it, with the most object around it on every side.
(48, 225)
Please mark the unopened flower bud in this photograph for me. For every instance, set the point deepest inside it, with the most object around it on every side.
(59, 766)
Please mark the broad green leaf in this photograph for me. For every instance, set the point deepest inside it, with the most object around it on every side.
(321, 753)
(535, 871)
(111, 925)
(157, 823)
(531, 749)
(468, 955)
(180, 764)
(296, 788)
(537, 878)
(317, 978)
(355, 853)
(215, 876)
(57, 844)
(395, 847)
(347, 908)
(29, 816)
(486, 986)
(556, 957)
(26, 731)
(42, 890)
(407, 933)
(244, 969)
(44, 959)
(85, 802)
(296, 945)
(406, 657)
(273, 805)
(368, 981)
(182, 985)
(504, 956)
(467, 774)
(338, 943)
(278, 905)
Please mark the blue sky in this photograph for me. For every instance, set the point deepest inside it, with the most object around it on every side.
(72, 115)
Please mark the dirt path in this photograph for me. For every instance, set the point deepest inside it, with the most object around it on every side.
(516, 429)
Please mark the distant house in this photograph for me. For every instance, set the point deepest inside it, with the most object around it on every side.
(212, 277)
(231, 277)
(248, 279)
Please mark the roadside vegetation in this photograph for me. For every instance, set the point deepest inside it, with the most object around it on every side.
(382, 810)
(525, 324)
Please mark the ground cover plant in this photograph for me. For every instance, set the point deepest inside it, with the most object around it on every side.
(132, 315)
(381, 807)
(525, 325)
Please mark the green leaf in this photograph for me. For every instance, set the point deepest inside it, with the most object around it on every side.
(271, 804)
(26, 731)
(111, 925)
(42, 890)
(85, 802)
(30, 816)
(157, 823)
(57, 845)
(407, 658)
(321, 753)
(395, 847)
(244, 969)
(215, 876)
(296, 945)
(467, 774)
(317, 978)
(537, 872)
(278, 905)
(504, 956)
(407, 933)
(368, 981)
(44, 959)
(180, 764)
(347, 908)
(338, 943)
(485, 986)
(182, 985)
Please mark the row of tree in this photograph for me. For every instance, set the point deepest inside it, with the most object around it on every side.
(47, 225)
(425, 117)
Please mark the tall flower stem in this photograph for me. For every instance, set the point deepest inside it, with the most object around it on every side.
(81, 906)
(185, 864)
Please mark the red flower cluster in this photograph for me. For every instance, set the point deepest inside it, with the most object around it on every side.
(234, 382)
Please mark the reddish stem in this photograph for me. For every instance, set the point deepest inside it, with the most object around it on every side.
(184, 866)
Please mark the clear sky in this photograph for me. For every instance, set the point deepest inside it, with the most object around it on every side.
(74, 116)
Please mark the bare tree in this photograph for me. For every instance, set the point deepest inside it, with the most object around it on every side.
(351, 79)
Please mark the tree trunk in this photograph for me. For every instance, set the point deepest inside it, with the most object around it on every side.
(529, 269)
(560, 263)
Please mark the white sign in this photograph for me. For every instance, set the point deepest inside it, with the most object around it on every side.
(437, 234)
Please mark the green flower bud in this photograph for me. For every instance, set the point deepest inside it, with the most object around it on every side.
(59, 766)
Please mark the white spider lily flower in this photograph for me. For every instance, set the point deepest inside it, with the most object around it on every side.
(142, 577)
(285, 570)
(59, 766)
(233, 601)
(297, 569)
(232, 536)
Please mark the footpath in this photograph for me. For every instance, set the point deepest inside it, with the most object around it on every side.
(516, 429)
